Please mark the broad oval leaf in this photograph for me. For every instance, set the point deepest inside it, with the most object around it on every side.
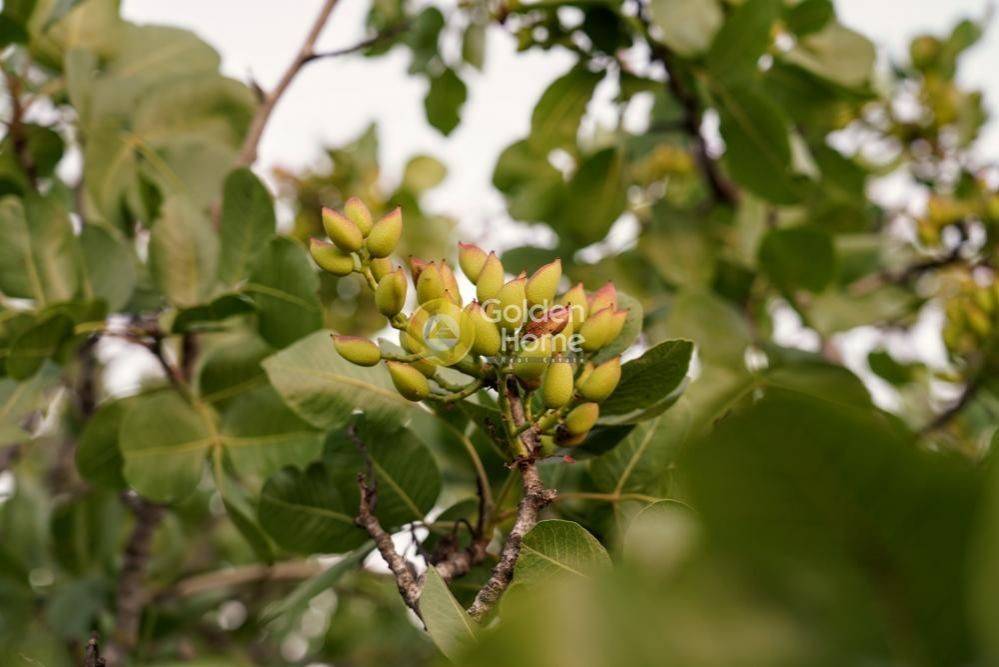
(324, 388)
(284, 285)
(559, 548)
(247, 222)
(648, 383)
(449, 625)
(640, 463)
(596, 197)
(183, 252)
(98, 456)
(39, 251)
(556, 117)
(687, 26)
(799, 258)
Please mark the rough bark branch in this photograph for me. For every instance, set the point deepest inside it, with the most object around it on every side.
(92, 654)
(248, 154)
(130, 597)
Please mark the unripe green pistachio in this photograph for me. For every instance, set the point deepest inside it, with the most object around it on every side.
(566, 439)
(471, 259)
(556, 387)
(390, 295)
(330, 258)
(985, 299)
(430, 285)
(924, 51)
(596, 330)
(490, 280)
(605, 297)
(582, 418)
(450, 282)
(358, 213)
(488, 339)
(577, 303)
(512, 304)
(618, 318)
(532, 359)
(385, 234)
(380, 267)
(601, 382)
(408, 381)
(357, 350)
(979, 321)
(543, 284)
(547, 445)
(342, 231)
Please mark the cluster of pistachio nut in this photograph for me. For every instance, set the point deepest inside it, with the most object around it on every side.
(972, 314)
(516, 333)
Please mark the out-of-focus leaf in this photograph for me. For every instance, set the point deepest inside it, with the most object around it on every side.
(451, 628)
(38, 254)
(40, 342)
(232, 367)
(324, 388)
(284, 285)
(98, 456)
(423, 172)
(473, 45)
(596, 197)
(556, 117)
(742, 39)
(219, 308)
(687, 26)
(556, 548)
(757, 148)
(183, 254)
(247, 222)
(716, 327)
(109, 266)
(809, 16)
(835, 53)
(799, 258)
(647, 382)
(446, 96)
(534, 189)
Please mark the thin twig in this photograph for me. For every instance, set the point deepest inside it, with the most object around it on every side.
(92, 654)
(306, 51)
(374, 40)
(238, 576)
(944, 418)
(19, 141)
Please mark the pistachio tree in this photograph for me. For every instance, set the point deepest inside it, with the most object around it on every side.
(731, 400)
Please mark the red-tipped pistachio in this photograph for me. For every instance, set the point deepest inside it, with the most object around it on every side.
(408, 381)
(543, 284)
(390, 295)
(385, 234)
(605, 297)
(471, 259)
(600, 382)
(596, 330)
(330, 258)
(357, 350)
(450, 283)
(342, 231)
(556, 387)
(358, 213)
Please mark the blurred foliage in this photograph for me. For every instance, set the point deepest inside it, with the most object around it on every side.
(771, 514)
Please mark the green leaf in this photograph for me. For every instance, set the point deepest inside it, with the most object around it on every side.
(39, 342)
(835, 53)
(809, 16)
(556, 117)
(232, 367)
(801, 482)
(596, 197)
(98, 456)
(405, 472)
(284, 285)
(324, 388)
(242, 514)
(641, 462)
(38, 255)
(757, 148)
(984, 577)
(533, 188)
(559, 548)
(20, 399)
(688, 26)
(423, 172)
(719, 330)
(164, 441)
(218, 309)
(648, 382)
(444, 100)
(109, 266)
(183, 253)
(261, 435)
(798, 258)
(473, 45)
(741, 41)
(307, 511)
(246, 224)
(451, 628)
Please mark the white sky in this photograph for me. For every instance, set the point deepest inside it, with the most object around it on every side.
(332, 101)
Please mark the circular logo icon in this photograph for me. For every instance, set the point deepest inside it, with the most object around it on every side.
(441, 331)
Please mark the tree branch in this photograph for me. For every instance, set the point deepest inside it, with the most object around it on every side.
(248, 154)
(19, 142)
(536, 497)
(374, 40)
(92, 654)
(130, 596)
(944, 418)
